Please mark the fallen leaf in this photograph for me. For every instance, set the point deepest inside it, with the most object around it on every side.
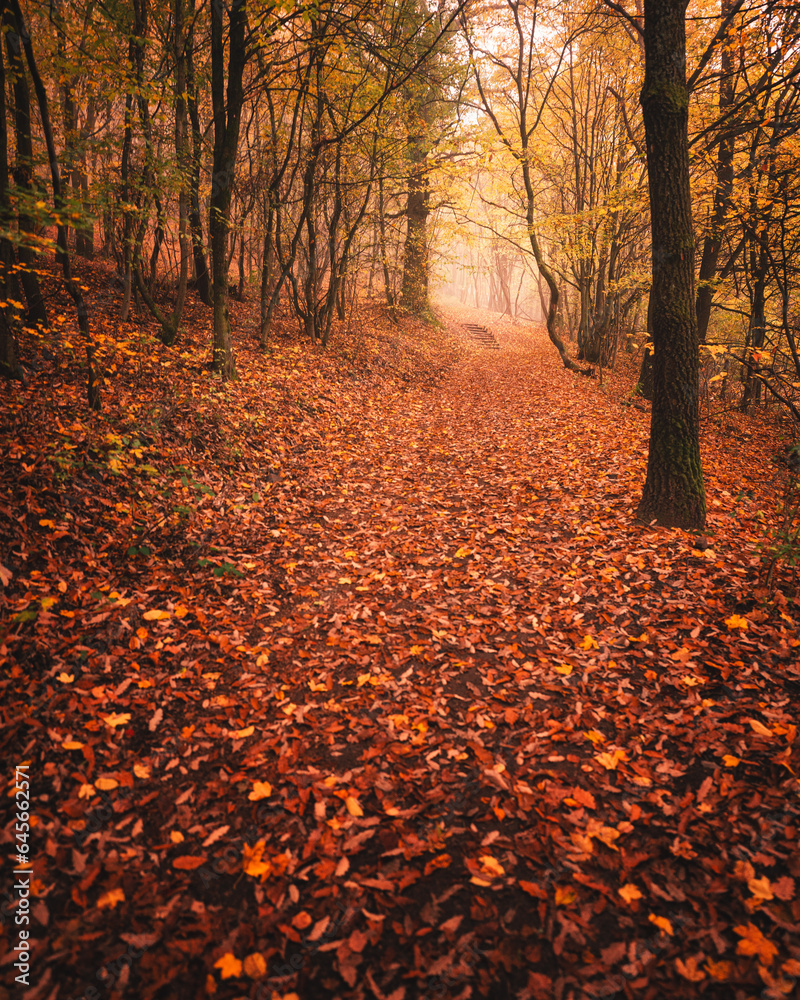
(230, 967)
(261, 790)
(690, 969)
(110, 899)
(753, 942)
(255, 965)
(188, 862)
(662, 923)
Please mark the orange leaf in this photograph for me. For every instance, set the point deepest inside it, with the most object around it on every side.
(156, 616)
(116, 719)
(629, 892)
(690, 970)
(662, 923)
(720, 970)
(261, 789)
(255, 965)
(759, 727)
(735, 621)
(753, 942)
(110, 899)
(188, 862)
(229, 966)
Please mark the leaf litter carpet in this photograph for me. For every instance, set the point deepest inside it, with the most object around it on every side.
(397, 701)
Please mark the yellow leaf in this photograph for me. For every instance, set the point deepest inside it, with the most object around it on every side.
(229, 966)
(353, 807)
(564, 668)
(116, 719)
(589, 642)
(760, 888)
(662, 923)
(735, 621)
(176, 836)
(689, 970)
(594, 736)
(110, 899)
(730, 761)
(106, 784)
(759, 727)
(753, 942)
(629, 892)
(490, 866)
(261, 790)
(610, 760)
(141, 770)
(255, 965)
(156, 616)
(416, 650)
(240, 734)
(258, 869)
(565, 895)
(72, 745)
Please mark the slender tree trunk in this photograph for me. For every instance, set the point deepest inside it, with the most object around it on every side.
(712, 244)
(23, 166)
(9, 361)
(127, 195)
(195, 217)
(674, 494)
(72, 286)
(227, 106)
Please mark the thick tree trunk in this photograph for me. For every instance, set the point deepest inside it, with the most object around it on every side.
(674, 494)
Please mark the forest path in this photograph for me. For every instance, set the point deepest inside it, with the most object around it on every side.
(422, 715)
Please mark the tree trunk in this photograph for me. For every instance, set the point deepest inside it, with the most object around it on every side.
(227, 105)
(23, 168)
(414, 290)
(9, 360)
(62, 252)
(674, 495)
(645, 384)
(712, 244)
(195, 217)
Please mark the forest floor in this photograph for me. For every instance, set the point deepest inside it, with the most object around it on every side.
(355, 678)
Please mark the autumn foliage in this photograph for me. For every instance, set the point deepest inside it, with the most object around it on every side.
(355, 678)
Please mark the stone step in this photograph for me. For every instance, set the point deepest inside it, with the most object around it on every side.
(482, 336)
